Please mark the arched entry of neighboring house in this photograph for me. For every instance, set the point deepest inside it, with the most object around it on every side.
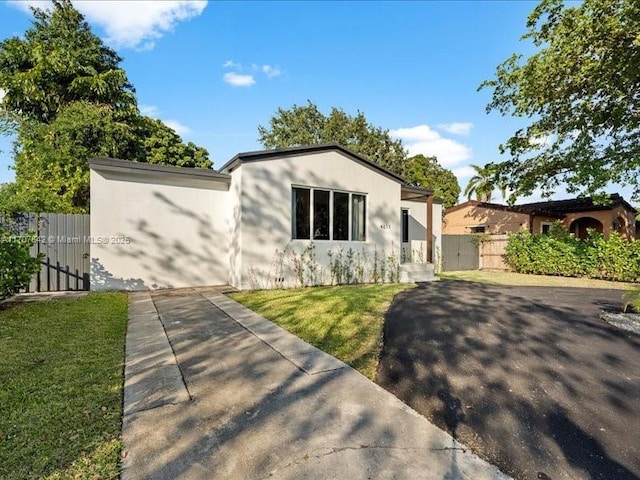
(580, 226)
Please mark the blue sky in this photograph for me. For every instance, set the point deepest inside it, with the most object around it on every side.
(215, 71)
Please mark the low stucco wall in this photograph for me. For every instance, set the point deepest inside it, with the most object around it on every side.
(157, 231)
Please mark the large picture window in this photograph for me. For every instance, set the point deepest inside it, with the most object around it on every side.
(321, 214)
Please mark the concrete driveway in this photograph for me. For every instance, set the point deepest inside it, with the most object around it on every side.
(530, 378)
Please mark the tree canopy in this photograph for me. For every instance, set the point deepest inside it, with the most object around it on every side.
(60, 61)
(68, 100)
(426, 172)
(306, 125)
(579, 93)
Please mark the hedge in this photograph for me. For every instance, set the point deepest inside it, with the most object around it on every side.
(16, 264)
(561, 253)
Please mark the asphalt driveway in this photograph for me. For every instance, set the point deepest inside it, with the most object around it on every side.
(529, 377)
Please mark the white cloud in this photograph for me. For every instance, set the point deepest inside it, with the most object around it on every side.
(137, 23)
(149, 110)
(132, 23)
(464, 172)
(238, 80)
(2, 94)
(26, 4)
(271, 71)
(231, 64)
(178, 127)
(456, 128)
(423, 139)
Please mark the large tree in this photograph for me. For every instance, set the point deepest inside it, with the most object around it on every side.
(51, 158)
(68, 100)
(426, 172)
(580, 94)
(60, 61)
(306, 125)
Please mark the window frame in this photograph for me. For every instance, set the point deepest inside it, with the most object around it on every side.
(545, 224)
(311, 213)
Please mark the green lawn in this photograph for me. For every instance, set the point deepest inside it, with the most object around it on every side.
(344, 321)
(61, 376)
(523, 279)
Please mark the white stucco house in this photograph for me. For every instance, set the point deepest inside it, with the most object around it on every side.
(276, 218)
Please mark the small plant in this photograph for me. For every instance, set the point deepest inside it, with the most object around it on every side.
(631, 301)
(393, 268)
(375, 274)
(349, 275)
(310, 264)
(361, 259)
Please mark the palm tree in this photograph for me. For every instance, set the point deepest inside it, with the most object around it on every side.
(482, 183)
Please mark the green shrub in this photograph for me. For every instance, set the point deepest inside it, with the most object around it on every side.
(631, 301)
(561, 253)
(16, 263)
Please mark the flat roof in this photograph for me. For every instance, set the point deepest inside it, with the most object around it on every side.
(118, 165)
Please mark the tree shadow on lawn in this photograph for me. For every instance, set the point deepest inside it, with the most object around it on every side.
(529, 377)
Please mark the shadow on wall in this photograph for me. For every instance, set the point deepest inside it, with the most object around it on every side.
(533, 365)
(102, 279)
(166, 259)
(267, 246)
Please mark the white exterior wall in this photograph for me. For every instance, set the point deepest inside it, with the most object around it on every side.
(173, 231)
(418, 231)
(235, 227)
(267, 223)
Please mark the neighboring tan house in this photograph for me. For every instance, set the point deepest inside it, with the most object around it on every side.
(577, 215)
(253, 223)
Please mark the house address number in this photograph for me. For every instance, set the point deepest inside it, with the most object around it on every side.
(385, 226)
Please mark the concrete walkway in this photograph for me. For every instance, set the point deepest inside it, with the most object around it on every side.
(213, 390)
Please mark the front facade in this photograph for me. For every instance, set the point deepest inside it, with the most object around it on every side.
(575, 215)
(272, 219)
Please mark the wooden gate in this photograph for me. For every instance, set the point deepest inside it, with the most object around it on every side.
(460, 252)
(64, 240)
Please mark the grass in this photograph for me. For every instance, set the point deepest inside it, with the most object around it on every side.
(344, 321)
(631, 301)
(61, 371)
(523, 279)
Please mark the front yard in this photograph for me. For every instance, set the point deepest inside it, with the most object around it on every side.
(344, 321)
(61, 370)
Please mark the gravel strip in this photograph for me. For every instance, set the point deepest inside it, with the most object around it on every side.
(626, 321)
